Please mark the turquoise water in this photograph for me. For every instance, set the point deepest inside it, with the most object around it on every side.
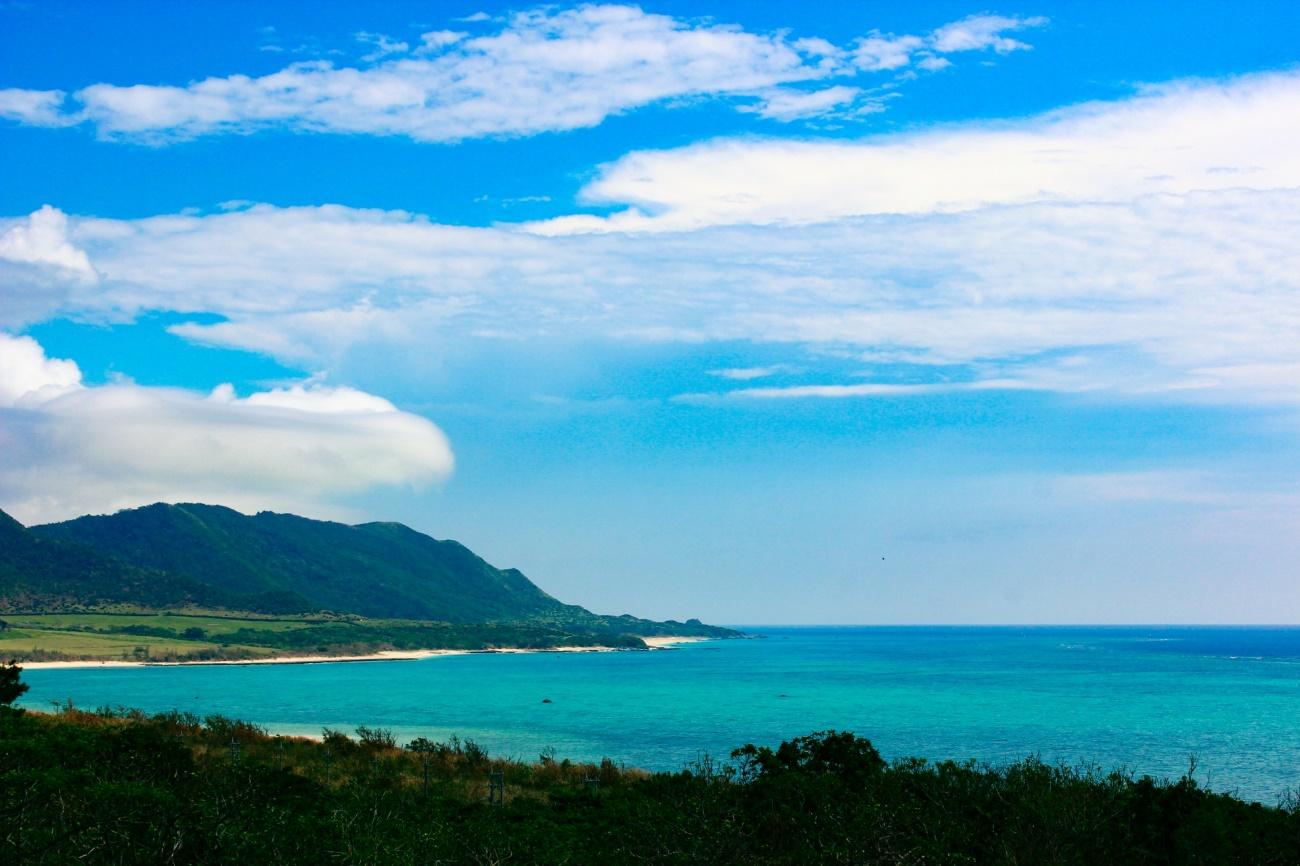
(1142, 698)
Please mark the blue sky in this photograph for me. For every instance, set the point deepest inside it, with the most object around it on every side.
(753, 312)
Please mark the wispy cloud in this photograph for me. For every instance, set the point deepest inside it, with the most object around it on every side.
(983, 32)
(745, 374)
(1100, 249)
(36, 107)
(1173, 138)
(544, 69)
(860, 389)
(1194, 296)
(381, 46)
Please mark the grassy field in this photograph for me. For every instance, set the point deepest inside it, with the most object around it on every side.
(196, 635)
(22, 642)
(211, 623)
(99, 635)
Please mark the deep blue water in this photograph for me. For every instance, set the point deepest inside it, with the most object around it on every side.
(1135, 697)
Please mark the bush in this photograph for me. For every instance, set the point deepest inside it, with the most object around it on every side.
(224, 729)
(11, 685)
(376, 738)
(123, 788)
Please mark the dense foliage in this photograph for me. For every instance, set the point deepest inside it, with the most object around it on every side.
(49, 574)
(344, 636)
(12, 686)
(121, 788)
(291, 564)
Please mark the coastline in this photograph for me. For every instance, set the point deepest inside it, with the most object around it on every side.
(652, 643)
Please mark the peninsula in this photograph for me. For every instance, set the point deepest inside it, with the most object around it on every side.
(203, 583)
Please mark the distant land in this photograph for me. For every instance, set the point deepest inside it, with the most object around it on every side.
(193, 582)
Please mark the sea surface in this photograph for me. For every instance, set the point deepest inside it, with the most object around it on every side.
(1144, 699)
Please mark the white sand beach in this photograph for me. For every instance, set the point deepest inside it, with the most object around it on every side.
(654, 643)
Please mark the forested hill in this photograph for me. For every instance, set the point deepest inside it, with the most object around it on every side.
(282, 563)
(43, 573)
(293, 564)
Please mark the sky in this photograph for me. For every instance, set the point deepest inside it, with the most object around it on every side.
(754, 312)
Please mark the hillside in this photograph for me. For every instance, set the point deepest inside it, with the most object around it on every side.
(165, 556)
(47, 573)
(293, 564)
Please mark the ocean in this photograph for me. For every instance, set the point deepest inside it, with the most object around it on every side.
(1146, 699)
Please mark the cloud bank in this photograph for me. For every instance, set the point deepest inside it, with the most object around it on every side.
(540, 70)
(1175, 138)
(1192, 294)
(1066, 266)
(67, 448)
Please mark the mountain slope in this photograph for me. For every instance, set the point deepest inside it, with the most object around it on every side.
(292, 564)
(47, 573)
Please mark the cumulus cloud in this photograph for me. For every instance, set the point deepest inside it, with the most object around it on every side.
(28, 377)
(42, 239)
(68, 449)
(41, 270)
(878, 53)
(544, 69)
(1173, 138)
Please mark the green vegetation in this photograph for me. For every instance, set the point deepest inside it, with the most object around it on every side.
(206, 637)
(44, 574)
(122, 788)
(202, 582)
(57, 644)
(209, 623)
(12, 686)
(281, 563)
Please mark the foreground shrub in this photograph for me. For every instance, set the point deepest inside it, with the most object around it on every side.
(125, 788)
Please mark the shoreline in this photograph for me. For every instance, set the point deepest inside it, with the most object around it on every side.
(652, 643)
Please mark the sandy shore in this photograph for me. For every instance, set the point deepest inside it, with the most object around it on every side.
(381, 656)
(661, 642)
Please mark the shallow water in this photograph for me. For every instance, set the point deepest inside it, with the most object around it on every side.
(1141, 698)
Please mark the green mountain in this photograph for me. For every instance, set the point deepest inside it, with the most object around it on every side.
(171, 555)
(45, 573)
(282, 563)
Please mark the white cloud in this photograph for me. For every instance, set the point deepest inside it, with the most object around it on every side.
(1194, 295)
(544, 69)
(27, 377)
(42, 239)
(1175, 138)
(67, 449)
(786, 104)
(381, 45)
(933, 64)
(1105, 280)
(980, 32)
(877, 53)
(35, 107)
(41, 270)
(436, 40)
(862, 389)
(745, 374)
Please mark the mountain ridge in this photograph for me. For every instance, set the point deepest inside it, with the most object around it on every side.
(172, 555)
